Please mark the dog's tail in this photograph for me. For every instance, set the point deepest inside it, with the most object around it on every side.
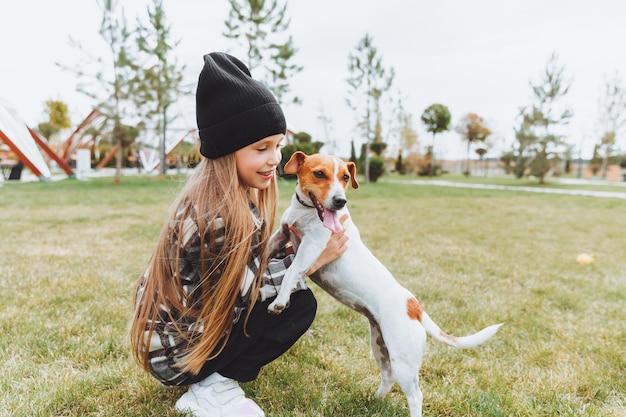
(458, 342)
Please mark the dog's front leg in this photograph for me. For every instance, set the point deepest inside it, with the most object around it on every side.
(295, 277)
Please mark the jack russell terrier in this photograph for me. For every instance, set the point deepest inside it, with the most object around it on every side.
(398, 323)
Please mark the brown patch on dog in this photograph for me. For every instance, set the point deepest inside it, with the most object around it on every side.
(414, 309)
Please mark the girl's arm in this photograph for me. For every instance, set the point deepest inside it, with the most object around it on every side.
(277, 267)
(335, 247)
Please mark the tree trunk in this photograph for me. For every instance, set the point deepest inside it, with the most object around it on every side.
(367, 162)
(118, 161)
(432, 159)
(163, 145)
(467, 163)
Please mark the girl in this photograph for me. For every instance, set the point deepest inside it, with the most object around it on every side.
(201, 311)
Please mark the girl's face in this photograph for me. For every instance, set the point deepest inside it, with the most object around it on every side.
(256, 163)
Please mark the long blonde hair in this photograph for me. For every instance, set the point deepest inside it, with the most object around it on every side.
(213, 191)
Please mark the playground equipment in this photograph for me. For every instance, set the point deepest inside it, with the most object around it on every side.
(22, 143)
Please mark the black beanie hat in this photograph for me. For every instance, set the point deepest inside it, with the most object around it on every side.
(232, 109)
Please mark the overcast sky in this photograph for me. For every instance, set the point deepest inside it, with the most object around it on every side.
(473, 56)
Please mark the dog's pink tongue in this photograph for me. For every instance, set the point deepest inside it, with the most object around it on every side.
(331, 222)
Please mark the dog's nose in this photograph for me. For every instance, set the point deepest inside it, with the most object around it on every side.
(339, 202)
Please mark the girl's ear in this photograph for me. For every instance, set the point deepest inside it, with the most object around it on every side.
(294, 163)
(352, 170)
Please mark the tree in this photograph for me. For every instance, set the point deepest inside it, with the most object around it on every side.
(472, 128)
(481, 151)
(436, 118)
(282, 70)
(115, 31)
(399, 167)
(58, 119)
(525, 137)
(507, 159)
(406, 136)
(353, 157)
(569, 156)
(158, 81)
(369, 80)
(255, 23)
(113, 87)
(539, 122)
(327, 122)
(612, 120)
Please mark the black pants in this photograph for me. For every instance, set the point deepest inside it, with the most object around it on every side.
(266, 337)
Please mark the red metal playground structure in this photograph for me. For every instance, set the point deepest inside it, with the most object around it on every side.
(27, 148)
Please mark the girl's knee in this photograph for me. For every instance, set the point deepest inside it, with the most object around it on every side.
(305, 302)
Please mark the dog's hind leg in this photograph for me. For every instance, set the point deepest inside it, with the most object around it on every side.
(406, 348)
(414, 397)
(381, 354)
(408, 379)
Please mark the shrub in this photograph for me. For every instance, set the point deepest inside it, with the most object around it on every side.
(377, 168)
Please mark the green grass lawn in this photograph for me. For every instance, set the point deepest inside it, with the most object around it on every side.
(71, 252)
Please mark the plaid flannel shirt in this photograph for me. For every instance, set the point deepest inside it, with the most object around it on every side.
(167, 343)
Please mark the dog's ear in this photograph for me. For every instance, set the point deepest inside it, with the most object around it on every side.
(294, 163)
(352, 170)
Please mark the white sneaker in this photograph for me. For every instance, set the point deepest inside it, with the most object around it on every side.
(217, 396)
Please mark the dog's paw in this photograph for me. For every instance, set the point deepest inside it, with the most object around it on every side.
(277, 307)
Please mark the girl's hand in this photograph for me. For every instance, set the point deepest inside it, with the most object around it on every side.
(335, 247)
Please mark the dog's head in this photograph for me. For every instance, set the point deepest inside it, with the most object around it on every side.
(323, 179)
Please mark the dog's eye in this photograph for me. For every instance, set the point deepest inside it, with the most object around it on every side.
(346, 178)
(319, 174)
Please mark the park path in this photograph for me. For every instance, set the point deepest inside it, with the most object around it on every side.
(548, 190)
